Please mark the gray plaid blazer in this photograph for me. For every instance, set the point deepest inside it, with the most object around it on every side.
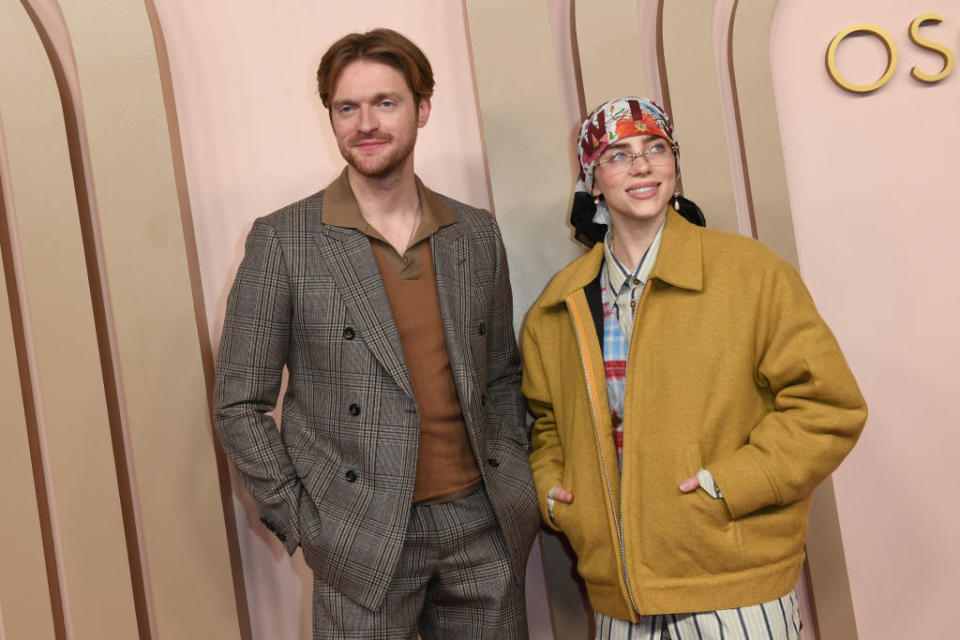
(337, 478)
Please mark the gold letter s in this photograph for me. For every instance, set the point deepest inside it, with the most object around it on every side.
(932, 46)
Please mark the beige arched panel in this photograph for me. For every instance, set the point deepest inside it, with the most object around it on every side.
(73, 436)
(525, 138)
(25, 597)
(691, 70)
(527, 145)
(186, 569)
(612, 52)
(757, 115)
(770, 205)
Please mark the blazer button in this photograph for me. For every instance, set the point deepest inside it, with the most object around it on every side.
(354, 409)
(350, 475)
(349, 333)
(493, 462)
(482, 328)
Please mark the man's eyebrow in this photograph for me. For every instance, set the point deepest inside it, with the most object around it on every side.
(379, 97)
(387, 95)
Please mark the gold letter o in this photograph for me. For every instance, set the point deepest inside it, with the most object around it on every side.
(891, 58)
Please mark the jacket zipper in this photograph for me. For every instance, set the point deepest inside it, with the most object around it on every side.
(618, 509)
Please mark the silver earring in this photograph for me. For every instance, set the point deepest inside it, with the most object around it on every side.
(596, 200)
(676, 199)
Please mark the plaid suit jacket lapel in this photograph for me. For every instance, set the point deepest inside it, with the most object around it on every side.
(451, 261)
(349, 259)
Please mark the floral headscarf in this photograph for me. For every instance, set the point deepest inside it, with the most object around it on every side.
(613, 121)
(610, 122)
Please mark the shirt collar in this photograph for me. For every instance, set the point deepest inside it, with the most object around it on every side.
(618, 275)
(340, 209)
(681, 264)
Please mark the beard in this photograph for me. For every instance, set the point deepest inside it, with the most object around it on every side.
(385, 162)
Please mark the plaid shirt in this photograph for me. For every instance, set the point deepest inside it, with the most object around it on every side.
(620, 292)
(623, 287)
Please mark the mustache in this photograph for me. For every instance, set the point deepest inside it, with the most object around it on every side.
(370, 137)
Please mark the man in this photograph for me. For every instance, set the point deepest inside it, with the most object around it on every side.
(400, 467)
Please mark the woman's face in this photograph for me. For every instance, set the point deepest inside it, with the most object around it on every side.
(638, 191)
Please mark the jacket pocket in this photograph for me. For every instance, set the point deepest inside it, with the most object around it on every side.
(315, 469)
(712, 509)
(510, 480)
(696, 535)
(586, 526)
(773, 534)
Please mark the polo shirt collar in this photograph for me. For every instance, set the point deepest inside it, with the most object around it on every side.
(341, 209)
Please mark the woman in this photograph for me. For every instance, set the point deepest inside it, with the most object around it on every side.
(687, 400)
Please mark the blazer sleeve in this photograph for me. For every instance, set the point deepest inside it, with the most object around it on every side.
(504, 402)
(818, 411)
(250, 363)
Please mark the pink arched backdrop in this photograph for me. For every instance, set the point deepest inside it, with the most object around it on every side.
(870, 179)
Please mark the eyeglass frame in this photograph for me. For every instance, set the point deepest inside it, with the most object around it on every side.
(674, 147)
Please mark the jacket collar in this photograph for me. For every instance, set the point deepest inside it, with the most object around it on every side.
(348, 258)
(679, 263)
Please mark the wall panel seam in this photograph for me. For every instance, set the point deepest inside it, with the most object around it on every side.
(19, 320)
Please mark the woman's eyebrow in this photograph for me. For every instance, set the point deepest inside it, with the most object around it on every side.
(623, 144)
(616, 146)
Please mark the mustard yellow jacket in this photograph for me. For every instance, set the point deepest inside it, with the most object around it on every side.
(732, 369)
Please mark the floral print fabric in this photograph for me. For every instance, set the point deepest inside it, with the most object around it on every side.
(615, 120)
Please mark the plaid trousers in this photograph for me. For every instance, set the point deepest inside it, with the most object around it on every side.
(453, 580)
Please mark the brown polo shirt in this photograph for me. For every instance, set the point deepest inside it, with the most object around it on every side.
(446, 467)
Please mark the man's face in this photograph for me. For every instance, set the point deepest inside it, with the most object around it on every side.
(375, 117)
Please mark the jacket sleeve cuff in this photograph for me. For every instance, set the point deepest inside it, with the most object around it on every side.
(709, 484)
(288, 538)
(546, 512)
(287, 524)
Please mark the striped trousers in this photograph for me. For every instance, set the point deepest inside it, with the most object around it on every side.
(775, 620)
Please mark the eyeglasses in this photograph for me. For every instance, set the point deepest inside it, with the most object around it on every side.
(658, 154)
